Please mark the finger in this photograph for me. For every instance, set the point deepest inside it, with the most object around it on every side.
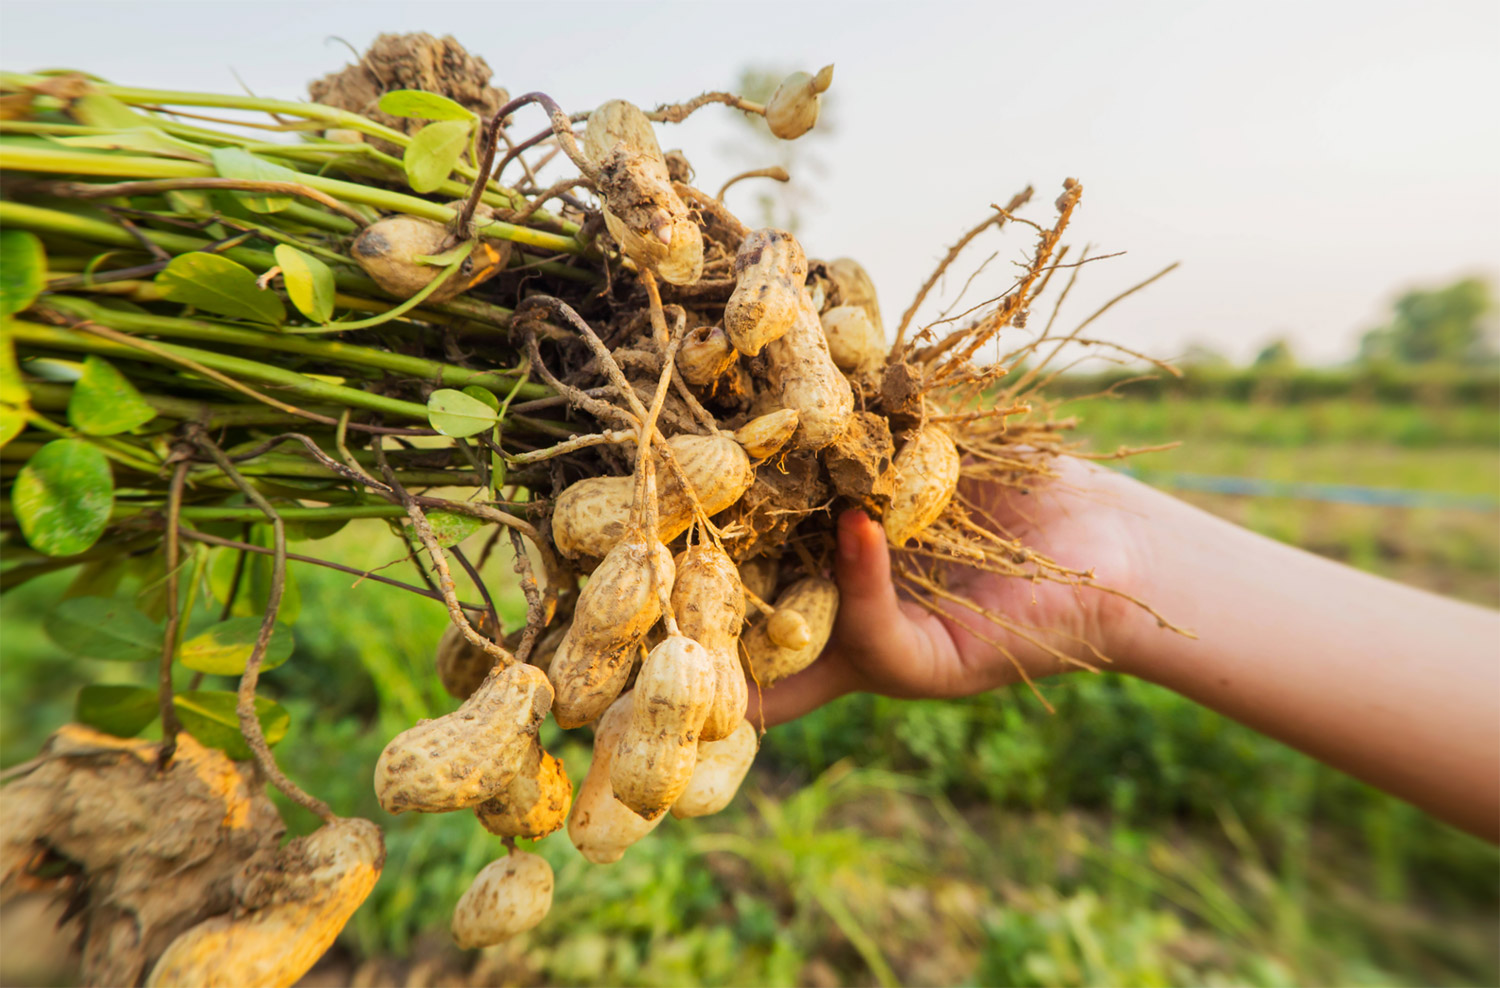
(863, 565)
(826, 679)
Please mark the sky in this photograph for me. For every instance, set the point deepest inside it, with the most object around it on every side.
(1305, 162)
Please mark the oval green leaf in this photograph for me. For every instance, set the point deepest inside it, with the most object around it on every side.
(451, 528)
(239, 163)
(63, 496)
(456, 414)
(104, 628)
(23, 270)
(225, 647)
(123, 711)
(308, 281)
(221, 286)
(419, 105)
(210, 716)
(433, 152)
(104, 402)
(483, 394)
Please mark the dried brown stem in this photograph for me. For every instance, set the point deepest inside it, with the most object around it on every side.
(170, 725)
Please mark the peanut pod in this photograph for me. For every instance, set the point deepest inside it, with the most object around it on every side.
(462, 665)
(769, 270)
(615, 610)
(465, 757)
(594, 514)
(856, 288)
(793, 109)
(709, 602)
(722, 766)
(290, 904)
(854, 343)
(765, 435)
(927, 470)
(508, 896)
(601, 826)
(816, 600)
(534, 804)
(806, 379)
(705, 355)
(388, 251)
(654, 761)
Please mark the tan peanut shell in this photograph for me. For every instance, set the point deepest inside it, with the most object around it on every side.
(534, 804)
(594, 514)
(462, 665)
(654, 761)
(927, 470)
(856, 288)
(709, 602)
(721, 767)
(805, 379)
(290, 904)
(508, 896)
(601, 826)
(388, 249)
(853, 341)
(705, 355)
(758, 576)
(765, 435)
(769, 270)
(816, 599)
(465, 757)
(620, 122)
(793, 108)
(620, 603)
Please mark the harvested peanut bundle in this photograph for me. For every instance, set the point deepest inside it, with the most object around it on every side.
(509, 896)
(662, 409)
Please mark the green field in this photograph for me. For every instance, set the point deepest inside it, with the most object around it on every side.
(1130, 838)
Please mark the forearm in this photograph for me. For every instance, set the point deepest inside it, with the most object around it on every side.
(1393, 685)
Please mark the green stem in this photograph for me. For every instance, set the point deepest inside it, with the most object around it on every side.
(289, 382)
(47, 395)
(331, 351)
(394, 312)
(45, 160)
(253, 515)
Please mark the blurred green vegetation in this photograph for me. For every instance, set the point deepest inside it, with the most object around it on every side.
(1131, 838)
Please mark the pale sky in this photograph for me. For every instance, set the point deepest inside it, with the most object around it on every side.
(1305, 161)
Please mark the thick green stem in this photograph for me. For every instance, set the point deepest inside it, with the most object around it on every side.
(331, 351)
(253, 515)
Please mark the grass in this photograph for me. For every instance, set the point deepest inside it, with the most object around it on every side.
(1132, 838)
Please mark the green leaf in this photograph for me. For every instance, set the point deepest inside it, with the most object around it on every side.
(145, 139)
(433, 152)
(225, 647)
(63, 496)
(483, 394)
(123, 711)
(221, 286)
(456, 414)
(15, 398)
(308, 281)
(23, 270)
(104, 402)
(104, 628)
(452, 528)
(418, 105)
(209, 716)
(239, 163)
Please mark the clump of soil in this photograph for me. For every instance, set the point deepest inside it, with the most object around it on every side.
(410, 61)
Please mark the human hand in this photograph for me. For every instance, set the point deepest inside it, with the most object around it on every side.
(1087, 518)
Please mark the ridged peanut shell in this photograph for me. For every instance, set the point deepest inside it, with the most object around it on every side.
(854, 343)
(461, 665)
(620, 603)
(654, 761)
(534, 804)
(709, 602)
(705, 355)
(721, 767)
(769, 270)
(290, 905)
(620, 122)
(806, 379)
(816, 600)
(465, 757)
(793, 108)
(592, 515)
(601, 826)
(507, 897)
(927, 470)
(856, 288)
(765, 435)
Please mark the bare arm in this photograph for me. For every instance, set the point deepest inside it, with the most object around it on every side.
(1393, 685)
